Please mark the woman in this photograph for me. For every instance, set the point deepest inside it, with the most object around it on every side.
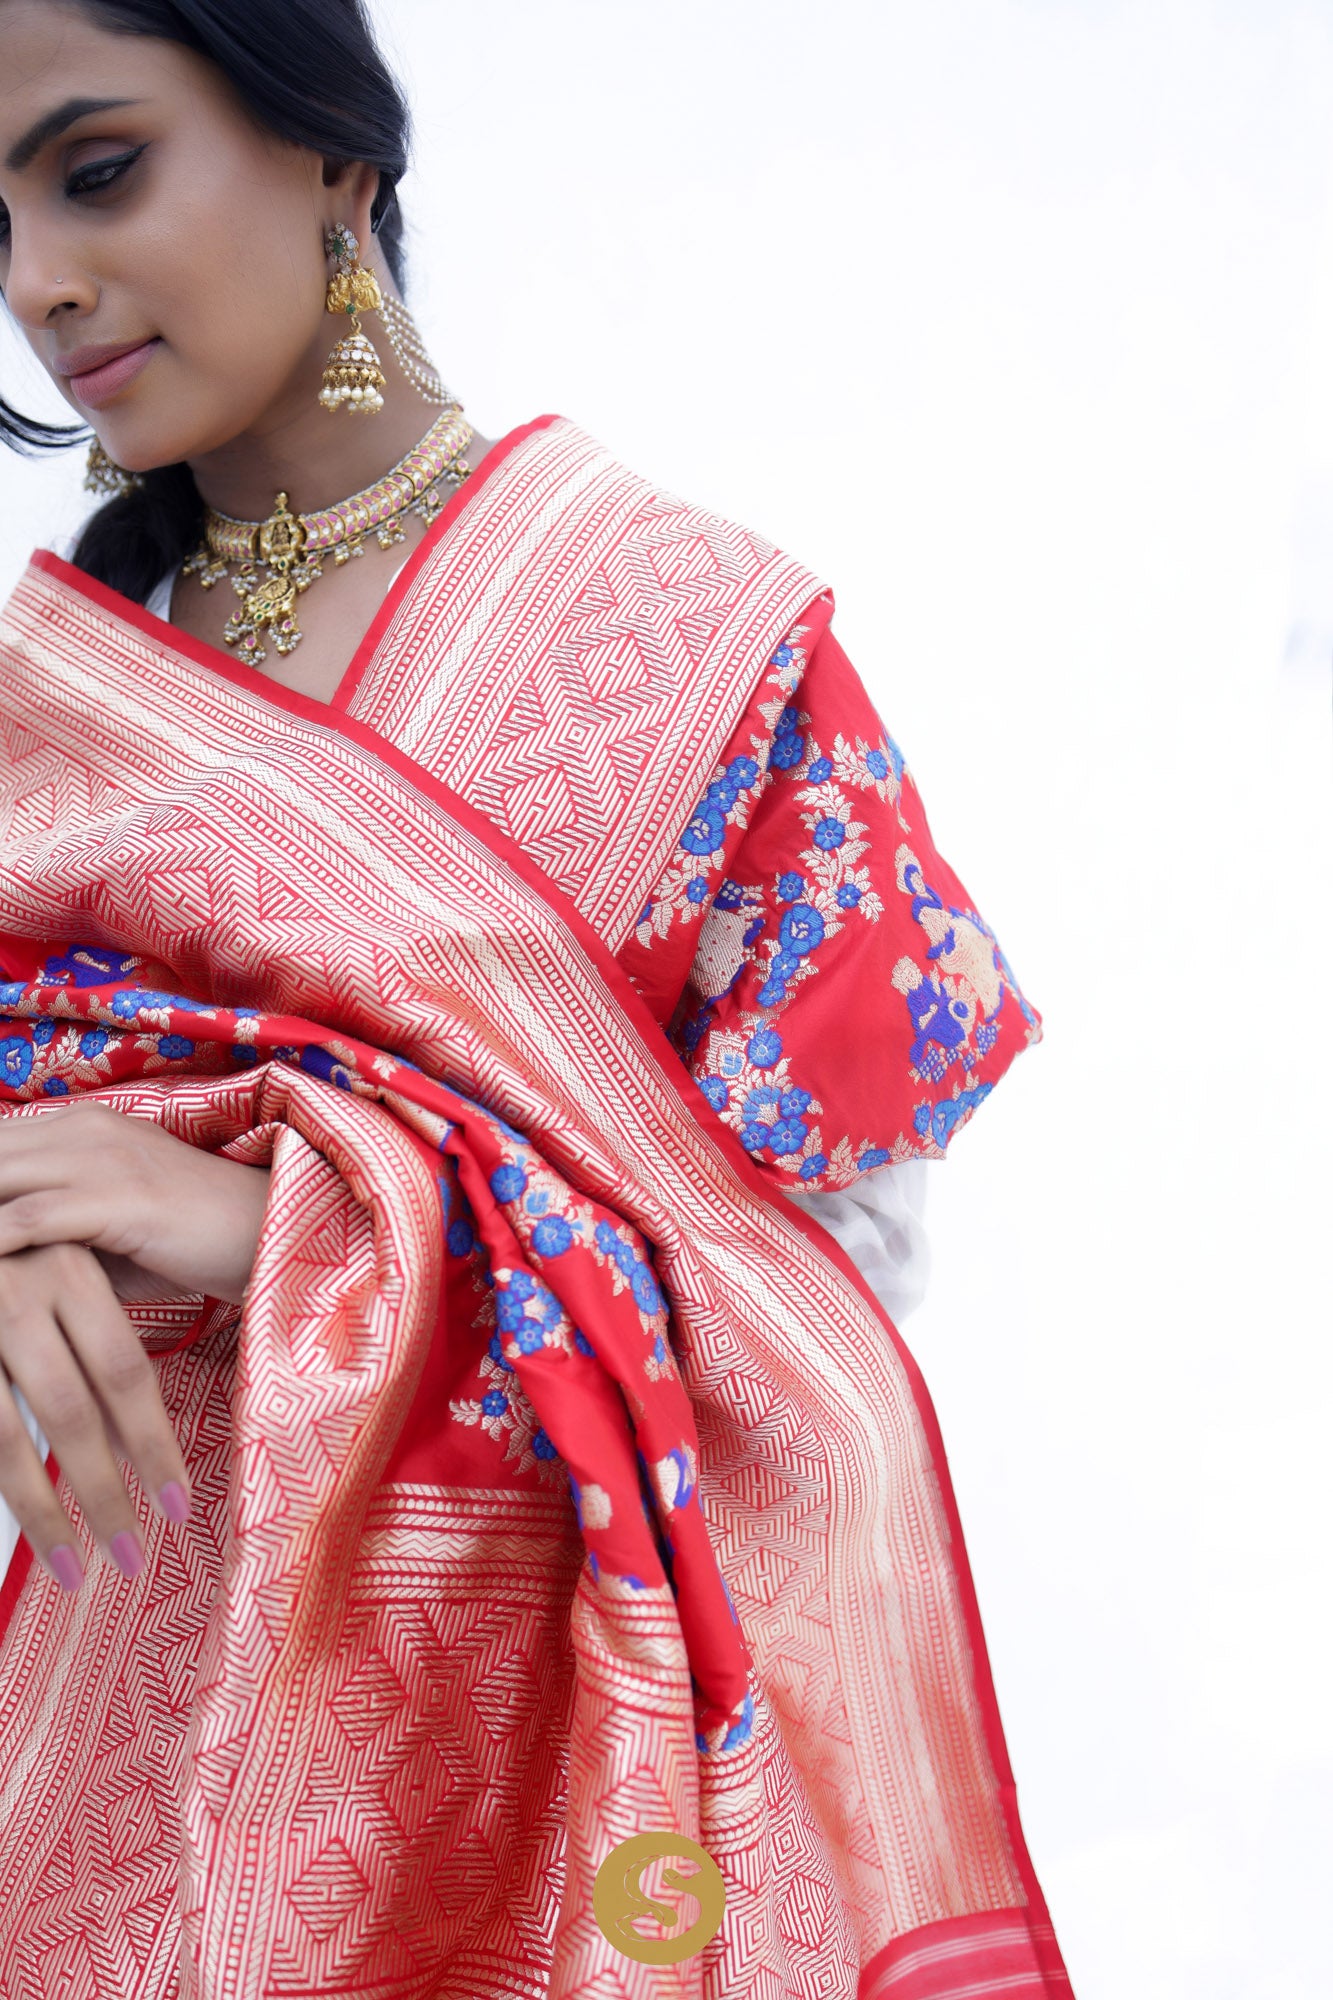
(433, 986)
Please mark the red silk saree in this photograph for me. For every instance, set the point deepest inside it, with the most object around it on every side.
(556, 1480)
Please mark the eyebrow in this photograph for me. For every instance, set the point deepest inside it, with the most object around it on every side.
(22, 154)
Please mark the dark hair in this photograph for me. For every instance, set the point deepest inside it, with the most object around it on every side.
(310, 71)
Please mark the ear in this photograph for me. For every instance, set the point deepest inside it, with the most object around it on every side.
(353, 185)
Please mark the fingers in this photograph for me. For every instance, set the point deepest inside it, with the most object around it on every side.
(123, 1380)
(65, 1342)
(52, 1215)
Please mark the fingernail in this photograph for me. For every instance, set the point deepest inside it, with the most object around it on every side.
(126, 1553)
(174, 1503)
(65, 1567)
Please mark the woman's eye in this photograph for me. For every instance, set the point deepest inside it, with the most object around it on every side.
(99, 174)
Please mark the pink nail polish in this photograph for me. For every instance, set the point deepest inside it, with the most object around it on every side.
(174, 1503)
(65, 1567)
(126, 1553)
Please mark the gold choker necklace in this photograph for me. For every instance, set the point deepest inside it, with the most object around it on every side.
(281, 557)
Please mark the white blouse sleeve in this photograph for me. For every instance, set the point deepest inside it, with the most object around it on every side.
(878, 1222)
(10, 1530)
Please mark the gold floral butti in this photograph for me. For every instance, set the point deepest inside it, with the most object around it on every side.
(277, 560)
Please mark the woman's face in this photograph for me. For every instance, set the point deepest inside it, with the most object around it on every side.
(141, 209)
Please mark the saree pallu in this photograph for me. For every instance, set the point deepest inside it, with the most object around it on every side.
(371, 1723)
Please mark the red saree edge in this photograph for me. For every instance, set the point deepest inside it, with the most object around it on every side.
(1045, 1951)
(996, 1952)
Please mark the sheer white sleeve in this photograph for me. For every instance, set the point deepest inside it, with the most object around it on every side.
(9, 1527)
(158, 600)
(878, 1222)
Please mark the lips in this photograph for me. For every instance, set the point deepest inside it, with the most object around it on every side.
(95, 375)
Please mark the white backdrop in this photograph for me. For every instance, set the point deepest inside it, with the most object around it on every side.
(1015, 319)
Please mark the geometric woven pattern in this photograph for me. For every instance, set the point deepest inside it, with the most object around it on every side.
(585, 720)
(394, 1728)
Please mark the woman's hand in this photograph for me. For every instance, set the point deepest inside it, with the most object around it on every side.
(94, 1202)
(83, 1173)
(66, 1343)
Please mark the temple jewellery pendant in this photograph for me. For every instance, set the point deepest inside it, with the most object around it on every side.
(277, 560)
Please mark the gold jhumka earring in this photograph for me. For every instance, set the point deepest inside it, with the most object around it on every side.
(353, 377)
(103, 476)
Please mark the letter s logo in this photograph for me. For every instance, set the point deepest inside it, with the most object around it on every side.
(618, 1900)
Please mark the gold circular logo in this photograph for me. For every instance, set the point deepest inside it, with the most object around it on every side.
(619, 1903)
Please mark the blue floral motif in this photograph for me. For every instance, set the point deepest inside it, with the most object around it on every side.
(526, 1310)
(824, 887)
(44, 1032)
(141, 999)
(626, 1254)
(704, 833)
(786, 1135)
(508, 1183)
(942, 1120)
(15, 1061)
(461, 1237)
(766, 1098)
(801, 931)
(764, 1048)
(176, 1047)
(552, 1236)
(644, 1287)
(92, 1042)
(686, 888)
(55, 1086)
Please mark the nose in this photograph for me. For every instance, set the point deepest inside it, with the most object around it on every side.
(46, 281)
